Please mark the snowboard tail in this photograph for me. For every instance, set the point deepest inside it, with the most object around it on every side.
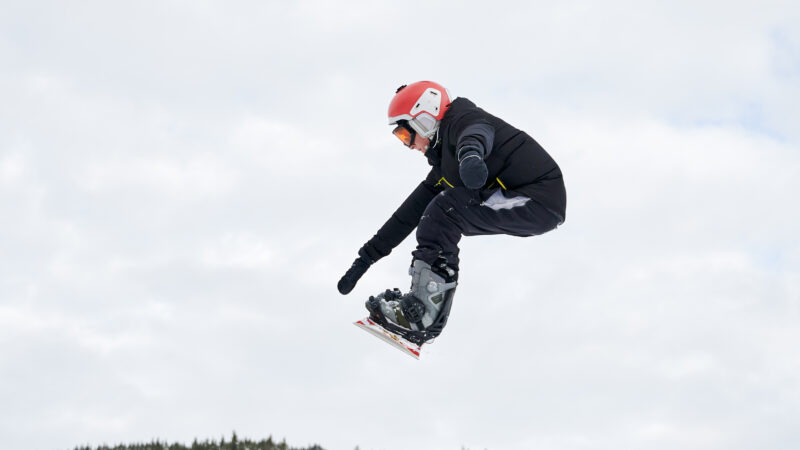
(391, 338)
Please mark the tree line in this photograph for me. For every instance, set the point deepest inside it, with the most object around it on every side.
(233, 444)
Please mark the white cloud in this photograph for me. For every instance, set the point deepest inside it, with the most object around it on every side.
(202, 175)
(12, 169)
(181, 187)
(239, 251)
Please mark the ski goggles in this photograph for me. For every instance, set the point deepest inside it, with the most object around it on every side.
(405, 133)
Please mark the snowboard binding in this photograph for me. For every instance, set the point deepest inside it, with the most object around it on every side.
(420, 315)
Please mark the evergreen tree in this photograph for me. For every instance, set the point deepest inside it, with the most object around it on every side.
(234, 444)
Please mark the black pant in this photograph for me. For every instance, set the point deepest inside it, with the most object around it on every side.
(458, 212)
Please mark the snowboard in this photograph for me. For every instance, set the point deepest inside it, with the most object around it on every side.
(393, 339)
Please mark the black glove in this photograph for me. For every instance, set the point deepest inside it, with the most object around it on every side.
(473, 170)
(353, 274)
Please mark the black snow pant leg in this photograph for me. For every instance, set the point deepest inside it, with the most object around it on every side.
(458, 212)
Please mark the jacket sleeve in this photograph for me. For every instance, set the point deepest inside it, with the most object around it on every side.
(477, 137)
(403, 221)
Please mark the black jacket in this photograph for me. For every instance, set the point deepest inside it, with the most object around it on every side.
(517, 164)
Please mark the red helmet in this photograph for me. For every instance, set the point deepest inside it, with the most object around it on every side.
(421, 106)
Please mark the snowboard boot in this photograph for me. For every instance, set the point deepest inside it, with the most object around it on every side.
(421, 314)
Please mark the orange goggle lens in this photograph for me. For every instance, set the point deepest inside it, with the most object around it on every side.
(403, 134)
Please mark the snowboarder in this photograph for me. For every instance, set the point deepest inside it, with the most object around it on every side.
(487, 177)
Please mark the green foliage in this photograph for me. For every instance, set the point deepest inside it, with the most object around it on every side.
(234, 444)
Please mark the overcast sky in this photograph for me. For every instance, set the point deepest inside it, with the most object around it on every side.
(182, 183)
